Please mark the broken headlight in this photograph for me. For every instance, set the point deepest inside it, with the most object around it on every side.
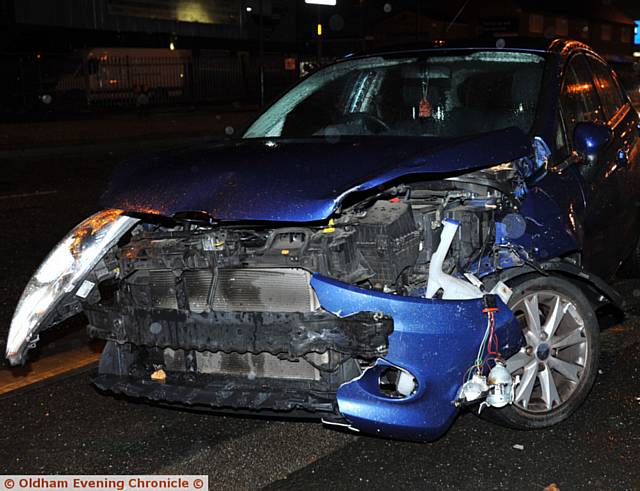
(501, 172)
(507, 177)
(61, 273)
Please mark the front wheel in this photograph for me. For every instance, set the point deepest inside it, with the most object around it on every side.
(558, 363)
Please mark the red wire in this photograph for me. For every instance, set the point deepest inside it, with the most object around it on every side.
(492, 347)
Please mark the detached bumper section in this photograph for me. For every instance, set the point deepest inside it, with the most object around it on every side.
(306, 361)
(433, 340)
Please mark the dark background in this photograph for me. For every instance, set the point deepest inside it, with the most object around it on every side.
(75, 56)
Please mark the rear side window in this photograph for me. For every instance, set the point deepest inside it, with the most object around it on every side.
(608, 88)
(579, 99)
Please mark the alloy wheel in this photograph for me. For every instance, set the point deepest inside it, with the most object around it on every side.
(551, 363)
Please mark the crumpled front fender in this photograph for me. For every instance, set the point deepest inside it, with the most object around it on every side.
(435, 340)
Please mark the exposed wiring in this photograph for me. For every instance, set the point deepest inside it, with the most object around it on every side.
(480, 359)
(488, 349)
(479, 254)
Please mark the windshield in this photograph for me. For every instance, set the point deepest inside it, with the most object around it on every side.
(442, 95)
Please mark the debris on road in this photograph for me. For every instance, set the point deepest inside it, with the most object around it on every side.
(159, 375)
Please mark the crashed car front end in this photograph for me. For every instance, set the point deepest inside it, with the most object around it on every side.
(354, 320)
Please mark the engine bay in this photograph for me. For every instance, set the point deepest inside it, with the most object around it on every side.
(383, 243)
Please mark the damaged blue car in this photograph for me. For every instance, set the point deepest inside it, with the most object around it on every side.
(400, 236)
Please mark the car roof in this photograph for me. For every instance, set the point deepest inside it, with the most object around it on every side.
(559, 46)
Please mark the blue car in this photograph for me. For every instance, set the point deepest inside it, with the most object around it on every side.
(401, 236)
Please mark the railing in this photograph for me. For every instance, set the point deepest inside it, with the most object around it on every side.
(79, 82)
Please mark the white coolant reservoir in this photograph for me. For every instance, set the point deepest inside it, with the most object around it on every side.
(453, 288)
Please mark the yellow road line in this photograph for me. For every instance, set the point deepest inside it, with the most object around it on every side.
(51, 366)
(28, 195)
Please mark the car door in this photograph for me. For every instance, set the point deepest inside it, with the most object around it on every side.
(623, 120)
(601, 179)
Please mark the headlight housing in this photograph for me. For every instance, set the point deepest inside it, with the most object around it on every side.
(508, 177)
(61, 273)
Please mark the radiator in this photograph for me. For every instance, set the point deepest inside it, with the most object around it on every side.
(264, 289)
(237, 290)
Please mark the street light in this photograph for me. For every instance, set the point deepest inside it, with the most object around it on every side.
(321, 2)
(331, 3)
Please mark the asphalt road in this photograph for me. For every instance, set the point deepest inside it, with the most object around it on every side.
(66, 426)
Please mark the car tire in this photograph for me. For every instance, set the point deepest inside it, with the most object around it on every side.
(558, 371)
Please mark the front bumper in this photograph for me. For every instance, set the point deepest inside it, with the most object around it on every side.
(434, 340)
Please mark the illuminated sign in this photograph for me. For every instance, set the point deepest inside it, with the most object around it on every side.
(201, 11)
(636, 38)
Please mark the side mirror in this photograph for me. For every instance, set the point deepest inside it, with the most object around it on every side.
(590, 138)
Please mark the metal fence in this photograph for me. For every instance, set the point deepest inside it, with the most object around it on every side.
(78, 81)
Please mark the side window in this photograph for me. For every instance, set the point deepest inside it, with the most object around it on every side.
(561, 141)
(579, 99)
(607, 87)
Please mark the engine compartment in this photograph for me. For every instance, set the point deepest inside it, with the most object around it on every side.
(383, 243)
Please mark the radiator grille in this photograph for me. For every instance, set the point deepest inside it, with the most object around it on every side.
(265, 289)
